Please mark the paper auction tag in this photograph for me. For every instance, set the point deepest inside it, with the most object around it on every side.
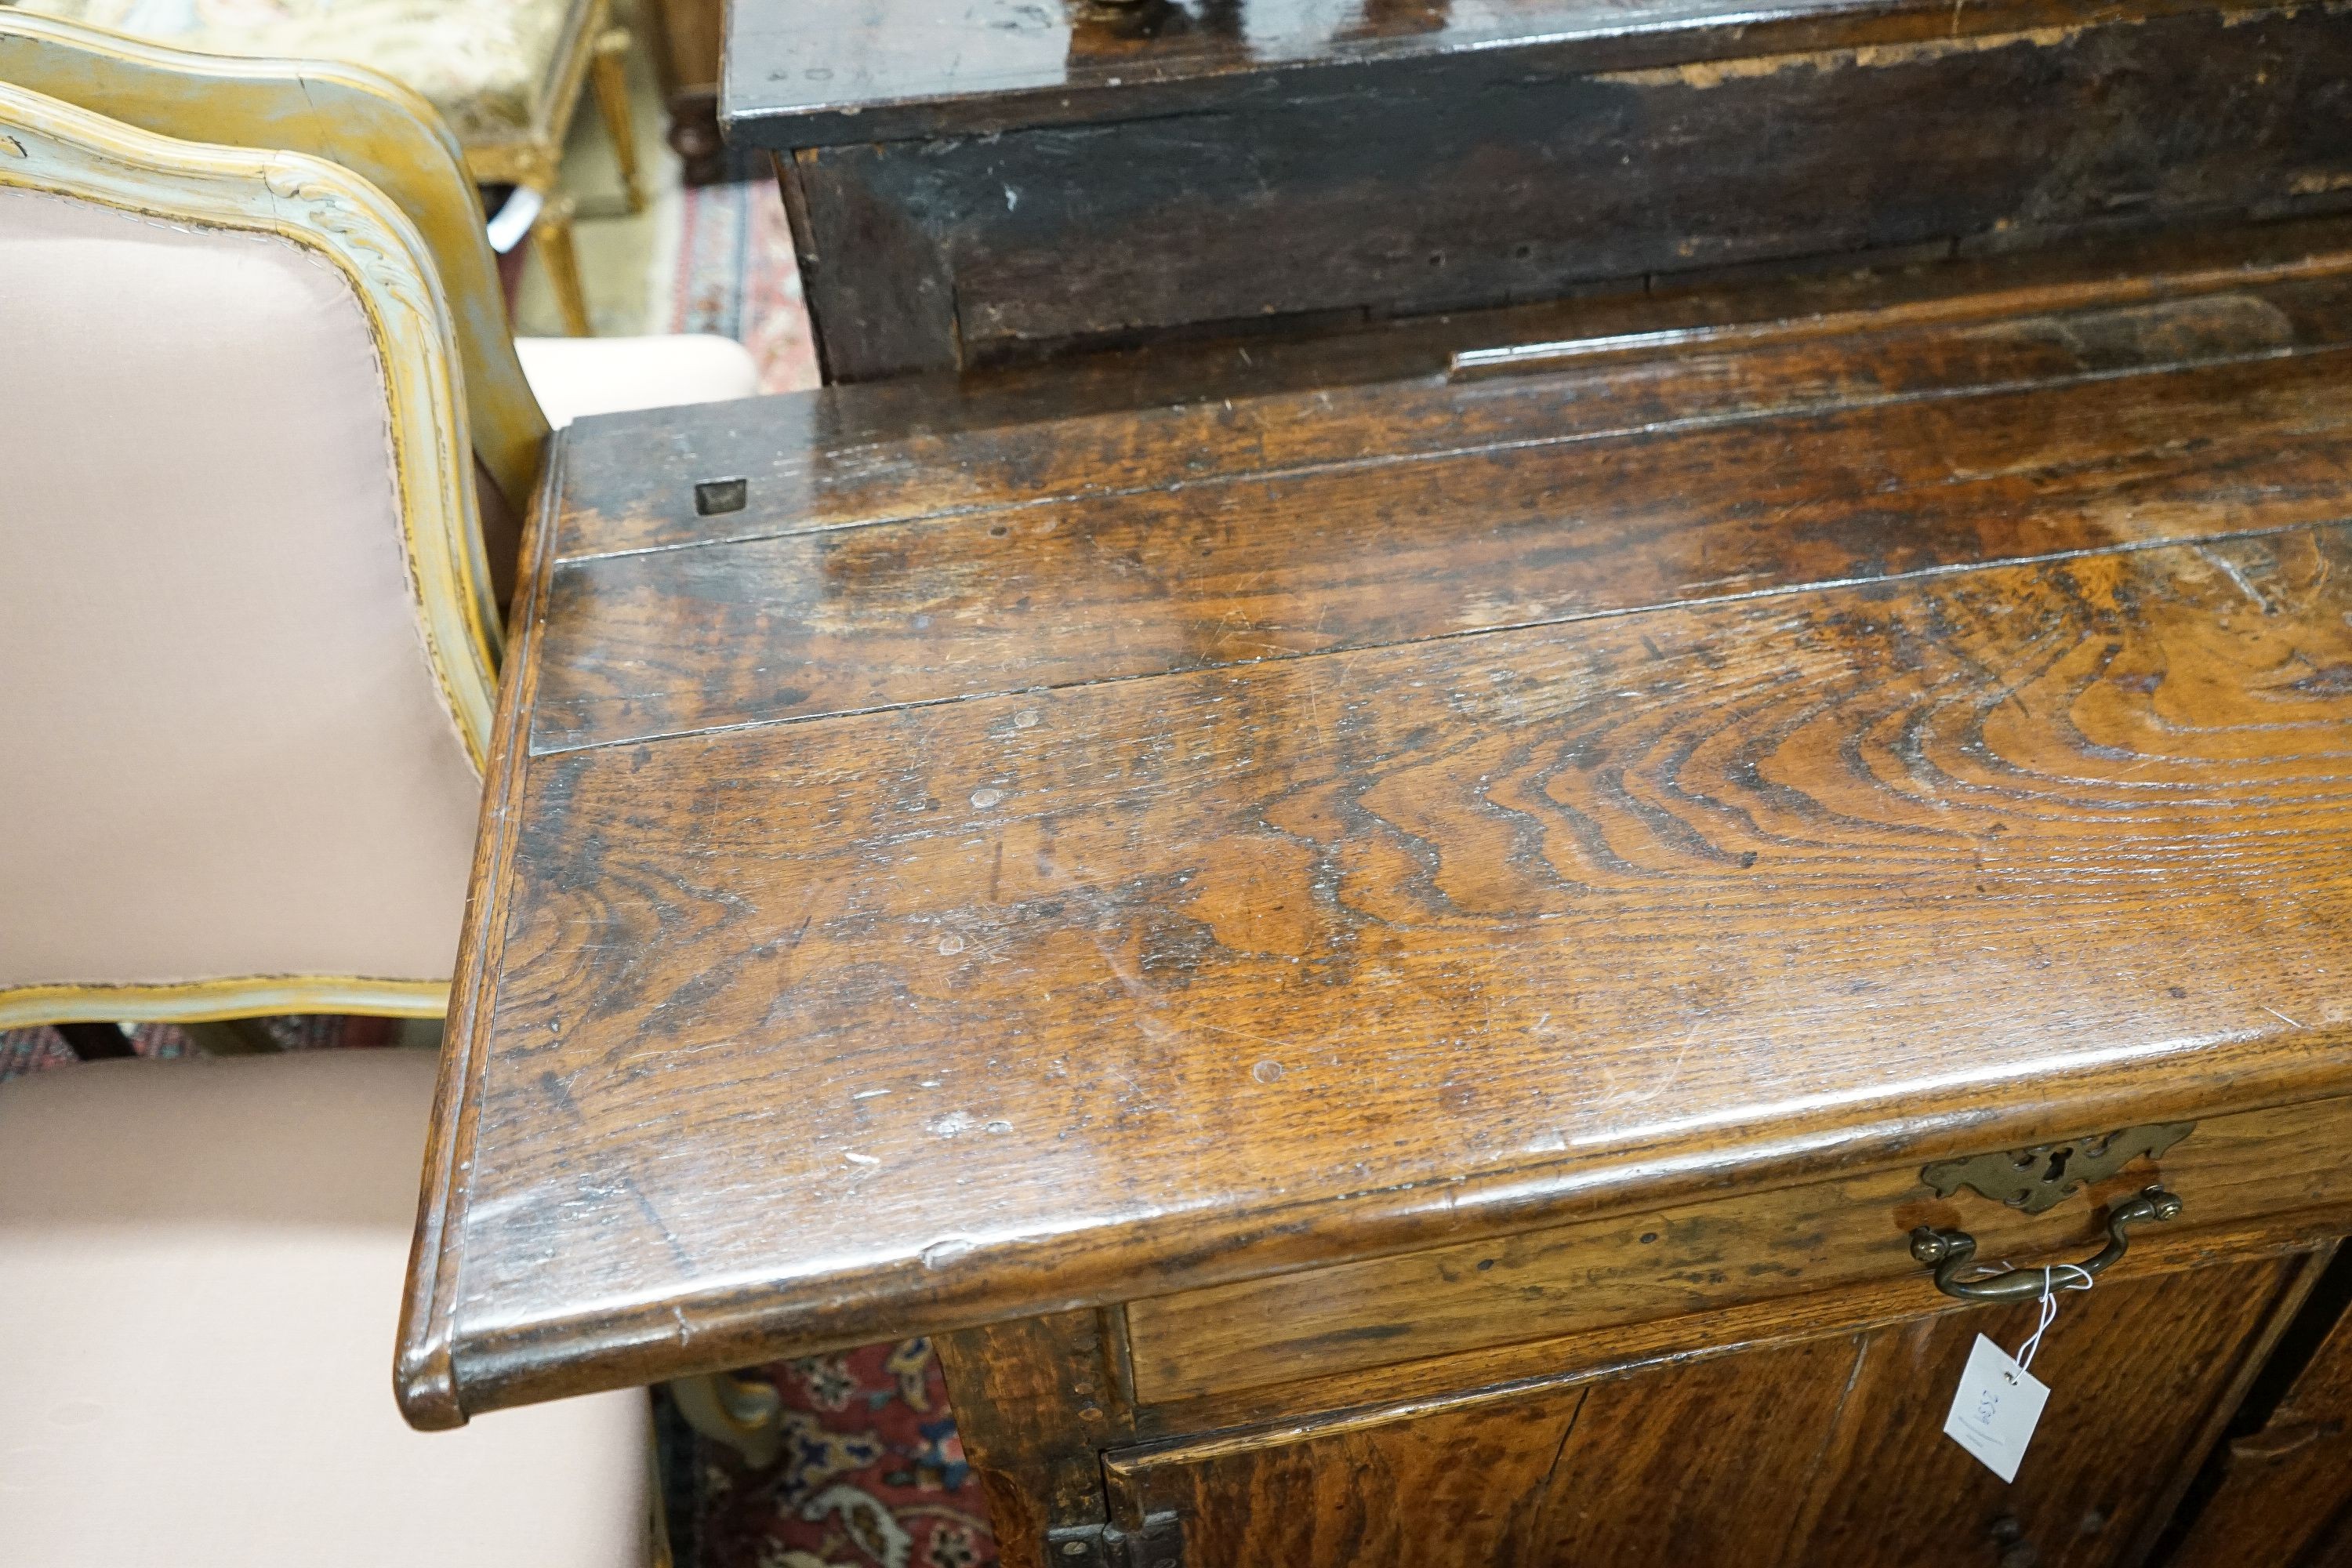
(1996, 1408)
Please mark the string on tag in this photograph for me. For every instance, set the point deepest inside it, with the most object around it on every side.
(2050, 1289)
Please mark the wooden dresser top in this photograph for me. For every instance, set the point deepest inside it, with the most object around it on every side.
(1035, 855)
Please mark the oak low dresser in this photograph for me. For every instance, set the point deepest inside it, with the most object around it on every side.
(1490, 952)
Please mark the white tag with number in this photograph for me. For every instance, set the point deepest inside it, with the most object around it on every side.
(1994, 1413)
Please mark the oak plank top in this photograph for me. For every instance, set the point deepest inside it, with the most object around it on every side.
(1010, 866)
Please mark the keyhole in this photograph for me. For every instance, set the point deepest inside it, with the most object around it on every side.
(2058, 1165)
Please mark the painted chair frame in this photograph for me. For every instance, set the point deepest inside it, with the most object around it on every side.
(343, 116)
(592, 54)
(590, 57)
(56, 147)
(370, 124)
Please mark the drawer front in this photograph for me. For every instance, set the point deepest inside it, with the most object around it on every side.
(1647, 1266)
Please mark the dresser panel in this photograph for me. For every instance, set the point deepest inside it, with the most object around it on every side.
(1825, 1451)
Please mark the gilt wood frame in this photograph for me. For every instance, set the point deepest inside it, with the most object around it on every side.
(366, 122)
(53, 147)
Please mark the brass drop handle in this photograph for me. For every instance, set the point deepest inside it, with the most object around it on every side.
(1953, 1252)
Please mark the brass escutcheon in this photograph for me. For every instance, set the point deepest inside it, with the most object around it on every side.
(2036, 1178)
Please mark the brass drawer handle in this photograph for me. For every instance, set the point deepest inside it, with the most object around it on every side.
(1953, 1252)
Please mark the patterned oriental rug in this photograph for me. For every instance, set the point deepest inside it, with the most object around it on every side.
(30, 1050)
(731, 271)
(871, 1473)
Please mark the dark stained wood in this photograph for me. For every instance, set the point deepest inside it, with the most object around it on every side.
(1035, 1400)
(1005, 180)
(1516, 188)
(1693, 1465)
(1379, 960)
(900, 312)
(2119, 267)
(1450, 1486)
(2285, 1495)
(904, 450)
(423, 1373)
(1697, 1336)
(685, 37)
(2264, 1357)
(780, 1027)
(1275, 901)
(1534, 528)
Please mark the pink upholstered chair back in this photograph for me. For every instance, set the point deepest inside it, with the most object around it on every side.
(245, 645)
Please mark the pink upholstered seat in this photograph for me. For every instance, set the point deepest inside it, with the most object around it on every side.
(200, 1273)
(244, 665)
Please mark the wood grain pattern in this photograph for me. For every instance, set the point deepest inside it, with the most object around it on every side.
(1711, 1463)
(2133, 1370)
(2285, 1495)
(1377, 551)
(1825, 1451)
(423, 1376)
(1107, 961)
(1142, 172)
(2300, 1299)
(1033, 1400)
(1135, 422)
(1640, 1268)
(1453, 1486)
(1179, 974)
(1500, 1370)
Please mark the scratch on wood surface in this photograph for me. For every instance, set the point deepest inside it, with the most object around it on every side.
(2236, 575)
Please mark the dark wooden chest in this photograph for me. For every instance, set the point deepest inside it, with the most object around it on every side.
(1019, 178)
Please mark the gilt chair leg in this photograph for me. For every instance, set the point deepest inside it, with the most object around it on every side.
(612, 85)
(741, 1413)
(95, 1042)
(553, 236)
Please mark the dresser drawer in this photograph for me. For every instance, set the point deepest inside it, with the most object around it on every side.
(1664, 1263)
